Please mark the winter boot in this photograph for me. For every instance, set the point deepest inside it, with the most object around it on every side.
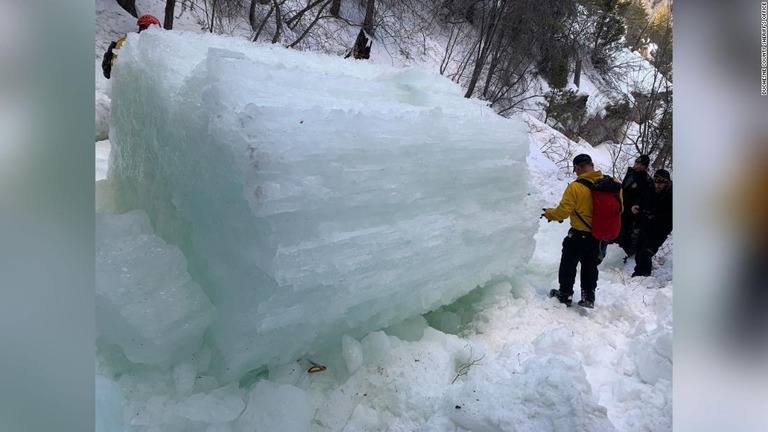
(566, 300)
(586, 304)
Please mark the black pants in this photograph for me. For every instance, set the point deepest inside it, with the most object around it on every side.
(647, 246)
(579, 247)
(628, 235)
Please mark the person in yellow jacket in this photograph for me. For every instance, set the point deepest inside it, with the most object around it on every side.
(579, 246)
(109, 57)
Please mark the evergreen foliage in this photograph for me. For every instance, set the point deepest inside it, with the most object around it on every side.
(567, 109)
(637, 23)
(660, 33)
(607, 27)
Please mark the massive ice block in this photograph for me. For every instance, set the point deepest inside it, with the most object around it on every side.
(311, 203)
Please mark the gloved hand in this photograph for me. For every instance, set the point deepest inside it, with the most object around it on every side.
(543, 216)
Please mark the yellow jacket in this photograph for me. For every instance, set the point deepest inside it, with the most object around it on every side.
(117, 47)
(576, 198)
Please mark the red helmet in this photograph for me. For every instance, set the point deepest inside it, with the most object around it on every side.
(146, 21)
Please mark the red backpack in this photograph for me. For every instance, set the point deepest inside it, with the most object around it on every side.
(606, 208)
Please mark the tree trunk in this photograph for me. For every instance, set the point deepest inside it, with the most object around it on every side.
(368, 21)
(664, 158)
(335, 8)
(129, 6)
(577, 73)
(489, 33)
(263, 23)
(453, 38)
(170, 5)
(482, 57)
(491, 71)
(252, 15)
(362, 49)
(213, 14)
(278, 22)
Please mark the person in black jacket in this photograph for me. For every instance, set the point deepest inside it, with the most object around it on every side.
(635, 182)
(654, 211)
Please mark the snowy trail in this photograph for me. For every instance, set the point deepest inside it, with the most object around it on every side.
(623, 320)
(624, 345)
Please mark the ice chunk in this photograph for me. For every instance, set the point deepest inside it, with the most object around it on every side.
(276, 407)
(146, 303)
(220, 406)
(352, 352)
(203, 359)
(314, 196)
(337, 407)
(205, 384)
(411, 329)
(365, 417)
(376, 348)
(184, 375)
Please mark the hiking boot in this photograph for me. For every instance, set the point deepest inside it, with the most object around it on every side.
(586, 304)
(636, 274)
(566, 300)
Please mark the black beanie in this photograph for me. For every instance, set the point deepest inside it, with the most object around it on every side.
(582, 159)
(663, 174)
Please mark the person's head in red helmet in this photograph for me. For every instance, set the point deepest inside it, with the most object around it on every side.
(147, 20)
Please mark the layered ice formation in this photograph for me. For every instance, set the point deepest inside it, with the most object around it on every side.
(146, 302)
(313, 196)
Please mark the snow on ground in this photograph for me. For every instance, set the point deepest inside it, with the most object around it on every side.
(623, 347)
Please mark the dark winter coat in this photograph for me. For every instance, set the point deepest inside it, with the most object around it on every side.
(633, 185)
(655, 215)
(109, 57)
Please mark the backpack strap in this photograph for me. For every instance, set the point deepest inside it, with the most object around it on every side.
(589, 185)
(583, 221)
